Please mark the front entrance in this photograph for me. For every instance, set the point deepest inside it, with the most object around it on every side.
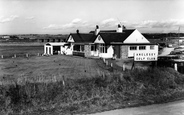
(117, 51)
(56, 50)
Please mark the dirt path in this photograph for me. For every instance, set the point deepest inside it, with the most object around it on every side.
(166, 51)
(172, 108)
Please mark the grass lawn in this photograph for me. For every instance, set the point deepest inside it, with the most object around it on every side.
(8, 51)
(58, 65)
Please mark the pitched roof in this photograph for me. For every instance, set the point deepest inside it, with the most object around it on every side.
(56, 43)
(107, 35)
(115, 37)
(103, 31)
(128, 31)
(83, 37)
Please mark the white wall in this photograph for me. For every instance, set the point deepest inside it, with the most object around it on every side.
(69, 50)
(109, 53)
(147, 50)
(70, 39)
(48, 50)
(136, 37)
(95, 53)
(99, 40)
(62, 49)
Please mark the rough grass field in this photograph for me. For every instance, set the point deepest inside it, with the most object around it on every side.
(92, 94)
(59, 84)
(8, 51)
(68, 66)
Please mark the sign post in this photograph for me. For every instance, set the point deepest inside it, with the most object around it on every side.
(146, 56)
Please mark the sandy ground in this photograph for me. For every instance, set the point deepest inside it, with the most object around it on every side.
(172, 108)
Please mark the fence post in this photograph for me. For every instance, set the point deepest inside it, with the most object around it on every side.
(176, 66)
(103, 76)
(104, 60)
(121, 77)
(112, 67)
(55, 79)
(123, 67)
(106, 63)
(63, 81)
(27, 55)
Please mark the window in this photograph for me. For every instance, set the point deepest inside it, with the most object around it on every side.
(93, 47)
(142, 47)
(133, 47)
(103, 48)
(152, 47)
(79, 48)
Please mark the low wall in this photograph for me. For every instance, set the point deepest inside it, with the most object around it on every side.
(78, 54)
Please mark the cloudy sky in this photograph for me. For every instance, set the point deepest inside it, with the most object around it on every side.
(65, 16)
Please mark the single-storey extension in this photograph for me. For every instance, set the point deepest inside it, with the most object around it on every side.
(57, 48)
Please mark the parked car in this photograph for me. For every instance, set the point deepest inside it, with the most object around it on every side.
(180, 48)
(176, 52)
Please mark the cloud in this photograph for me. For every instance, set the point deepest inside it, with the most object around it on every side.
(158, 24)
(30, 18)
(76, 23)
(111, 22)
(8, 19)
(53, 27)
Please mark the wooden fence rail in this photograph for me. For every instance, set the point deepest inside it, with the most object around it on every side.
(27, 55)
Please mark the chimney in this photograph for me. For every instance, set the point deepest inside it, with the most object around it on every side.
(120, 29)
(124, 28)
(97, 30)
(77, 31)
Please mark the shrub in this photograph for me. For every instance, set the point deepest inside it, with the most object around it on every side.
(96, 93)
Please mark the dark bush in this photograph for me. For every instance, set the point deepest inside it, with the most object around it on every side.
(84, 94)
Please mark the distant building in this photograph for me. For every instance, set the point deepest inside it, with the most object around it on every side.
(6, 37)
(50, 40)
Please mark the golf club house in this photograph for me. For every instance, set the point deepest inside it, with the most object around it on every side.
(120, 43)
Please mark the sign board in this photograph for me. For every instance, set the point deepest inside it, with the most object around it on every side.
(142, 56)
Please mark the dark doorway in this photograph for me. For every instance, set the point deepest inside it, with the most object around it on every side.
(117, 51)
(56, 50)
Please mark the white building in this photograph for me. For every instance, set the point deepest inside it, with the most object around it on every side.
(57, 48)
(120, 43)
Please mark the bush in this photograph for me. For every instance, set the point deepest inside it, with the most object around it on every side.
(98, 93)
(160, 78)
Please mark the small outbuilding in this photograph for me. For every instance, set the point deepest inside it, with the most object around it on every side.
(56, 48)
